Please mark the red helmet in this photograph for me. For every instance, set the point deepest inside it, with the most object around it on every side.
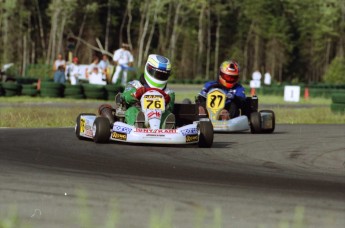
(229, 74)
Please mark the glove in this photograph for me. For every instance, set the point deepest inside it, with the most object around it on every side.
(230, 96)
(140, 91)
(203, 93)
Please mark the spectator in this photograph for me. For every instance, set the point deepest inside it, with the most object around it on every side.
(73, 71)
(267, 78)
(103, 65)
(95, 63)
(256, 75)
(123, 59)
(59, 62)
(59, 75)
(96, 77)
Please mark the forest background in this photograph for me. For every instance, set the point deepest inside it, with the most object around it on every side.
(295, 40)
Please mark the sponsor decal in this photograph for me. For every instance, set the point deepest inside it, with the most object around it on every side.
(155, 131)
(192, 138)
(82, 125)
(154, 114)
(88, 133)
(153, 96)
(119, 136)
(154, 135)
(122, 129)
(189, 131)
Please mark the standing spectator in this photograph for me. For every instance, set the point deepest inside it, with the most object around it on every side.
(96, 77)
(59, 75)
(256, 75)
(123, 59)
(59, 62)
(267, 78)
(103, 65)
(73, 71)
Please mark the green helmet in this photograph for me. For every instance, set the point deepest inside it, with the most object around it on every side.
(157, 71)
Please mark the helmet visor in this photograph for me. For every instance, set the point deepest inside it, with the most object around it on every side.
(229, 78)
(157, 73)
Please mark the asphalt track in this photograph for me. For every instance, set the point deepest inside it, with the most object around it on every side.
(292, 178)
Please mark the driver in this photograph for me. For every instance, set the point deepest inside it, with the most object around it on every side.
(156, 75)
(228, 82)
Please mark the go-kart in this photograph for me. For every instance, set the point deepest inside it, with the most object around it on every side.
(249, 117)
(111, 125)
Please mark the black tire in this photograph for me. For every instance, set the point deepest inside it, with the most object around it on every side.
(77, 127)
(11, 86)
(271, 130)
(11, 93)
(105, 110)
(102, 130)
(29, 92)
(206, 134)
(255, 122)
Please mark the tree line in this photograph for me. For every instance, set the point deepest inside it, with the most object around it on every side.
(292, 39)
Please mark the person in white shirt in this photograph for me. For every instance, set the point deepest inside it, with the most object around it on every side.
(96, 77)
(103, 65)
(59, 62)
(123, 59)
(267, 78)
(73, 71)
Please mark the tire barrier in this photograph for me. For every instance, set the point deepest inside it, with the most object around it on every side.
(94, 91)
(112, 90)
(338, 103)
(51, 89)
(2, 92)
(74, 91)
(29, 90)
(11, 89)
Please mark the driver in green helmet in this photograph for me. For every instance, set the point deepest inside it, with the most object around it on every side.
(156, 75)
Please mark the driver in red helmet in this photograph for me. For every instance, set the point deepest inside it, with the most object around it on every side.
(228, 82)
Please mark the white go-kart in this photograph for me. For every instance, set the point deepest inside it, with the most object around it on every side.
(249, 119)
(111, 126)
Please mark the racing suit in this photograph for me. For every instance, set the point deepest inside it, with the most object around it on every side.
(134, 103)
(235, 97)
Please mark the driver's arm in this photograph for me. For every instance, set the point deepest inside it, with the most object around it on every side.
(128, 97)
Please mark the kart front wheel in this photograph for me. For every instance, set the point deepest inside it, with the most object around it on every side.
(79, 123)
(101, 130)
(206, 134)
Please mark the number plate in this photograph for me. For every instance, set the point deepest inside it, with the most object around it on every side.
(154, 102)
(215, 101)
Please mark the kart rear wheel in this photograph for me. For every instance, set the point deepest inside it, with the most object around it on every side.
(255, 122)
(206, 134)
(268, 121)
(77, 125)
(101, 130)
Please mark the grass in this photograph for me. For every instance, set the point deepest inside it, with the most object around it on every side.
(31, 112)
(158, 219)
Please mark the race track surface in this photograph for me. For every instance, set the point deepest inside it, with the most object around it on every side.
(294, 177)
